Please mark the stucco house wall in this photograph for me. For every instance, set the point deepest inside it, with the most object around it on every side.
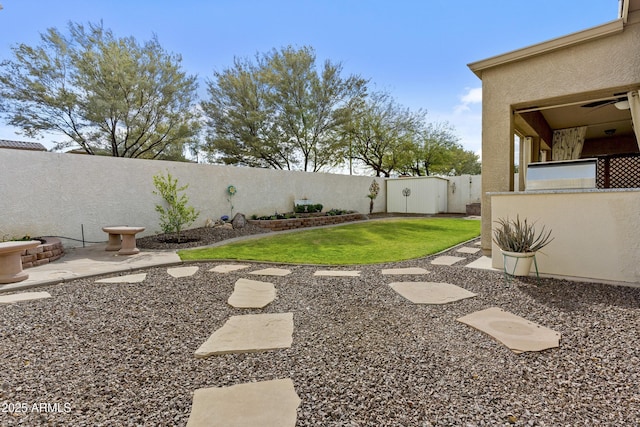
(584, 244)
(582, 65)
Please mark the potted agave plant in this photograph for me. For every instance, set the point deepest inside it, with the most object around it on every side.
(519, 242)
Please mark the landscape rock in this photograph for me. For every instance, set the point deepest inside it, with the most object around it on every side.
(239, 221)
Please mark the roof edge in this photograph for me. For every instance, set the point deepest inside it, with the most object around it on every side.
(594, 33)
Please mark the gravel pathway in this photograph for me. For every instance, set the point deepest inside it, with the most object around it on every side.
(123, 354)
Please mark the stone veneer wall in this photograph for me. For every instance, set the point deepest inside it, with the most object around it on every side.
(43, 254)
(292, 223)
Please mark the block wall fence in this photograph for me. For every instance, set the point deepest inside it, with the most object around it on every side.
(66, 195)
(57, 194)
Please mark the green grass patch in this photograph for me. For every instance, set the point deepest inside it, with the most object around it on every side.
(359, 243)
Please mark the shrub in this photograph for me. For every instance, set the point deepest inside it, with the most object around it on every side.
(374, 189)
(177, 214)
(311, 208)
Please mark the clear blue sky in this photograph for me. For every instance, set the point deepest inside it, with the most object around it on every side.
(417, 50)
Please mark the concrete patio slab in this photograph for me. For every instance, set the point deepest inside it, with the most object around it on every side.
(338, 273)
(91, 261)
(430, 292)
(447, 260)
(228, 268)
(515, 332)
(468, 250)
(25, 296)
(266, 404)
(272, 272)
(129, 278)
(250, 333)
(409, 270)
(252, 294)
(182, 271)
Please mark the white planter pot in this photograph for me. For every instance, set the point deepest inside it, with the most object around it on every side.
(517, 263)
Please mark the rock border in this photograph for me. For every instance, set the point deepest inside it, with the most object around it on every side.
(44, 253)
(315, 221)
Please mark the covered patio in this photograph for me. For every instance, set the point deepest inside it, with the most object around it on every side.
(566, 113)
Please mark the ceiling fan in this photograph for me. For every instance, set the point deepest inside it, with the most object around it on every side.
(621, 102)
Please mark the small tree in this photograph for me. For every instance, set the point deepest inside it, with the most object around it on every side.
(177, 215)
(107, 94)
(374, 189)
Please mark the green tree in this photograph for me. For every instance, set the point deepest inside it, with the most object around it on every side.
(436, 151)
(381, 134)
(241, 128)
(106, 94)
(464, 162)
(176, 215)
(431, 150)
(280, 111)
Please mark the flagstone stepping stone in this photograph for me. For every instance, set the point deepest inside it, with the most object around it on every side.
(409, 270)
(468, 250)
(266, 404)
(272, 272)
(482, 263)
(337, 273)
(228, 268)
(129, 278)
(515, 332)
(430, 292)
(250, 333)
(447, 260)
(182, 271)
(25, 296)
(252, 294)
(478, 243)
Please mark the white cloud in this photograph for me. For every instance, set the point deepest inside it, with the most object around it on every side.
(466, 118)
(473, 96)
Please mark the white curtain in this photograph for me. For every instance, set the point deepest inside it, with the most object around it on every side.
(567, 143)
(634, 106)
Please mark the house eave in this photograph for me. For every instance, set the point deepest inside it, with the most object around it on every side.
(594, 33)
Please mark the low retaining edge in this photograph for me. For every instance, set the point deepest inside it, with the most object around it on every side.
(315, 221)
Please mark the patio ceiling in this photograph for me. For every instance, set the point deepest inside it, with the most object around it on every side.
(596, 111)
(599, 119)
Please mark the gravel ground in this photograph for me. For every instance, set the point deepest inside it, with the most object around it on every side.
(196, 237)
(122, 354)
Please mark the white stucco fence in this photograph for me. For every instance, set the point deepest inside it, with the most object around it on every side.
(54, 194)
(431, 195)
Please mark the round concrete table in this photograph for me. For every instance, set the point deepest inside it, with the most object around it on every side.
(11, 260)
(128, 244)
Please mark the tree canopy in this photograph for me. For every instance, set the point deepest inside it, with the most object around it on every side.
(389, 138)
(281, 111)
(381, 132)
(106, 94)
(435, 150)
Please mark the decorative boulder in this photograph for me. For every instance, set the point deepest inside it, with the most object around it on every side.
(239, 221)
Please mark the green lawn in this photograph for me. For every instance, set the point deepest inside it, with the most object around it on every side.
(359, 243)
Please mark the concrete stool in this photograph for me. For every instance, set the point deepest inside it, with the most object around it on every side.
(11, 260)
(128, 244)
